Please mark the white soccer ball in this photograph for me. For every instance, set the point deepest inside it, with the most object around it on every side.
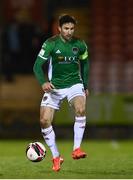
(35, 151)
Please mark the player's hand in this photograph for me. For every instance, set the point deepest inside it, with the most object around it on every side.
(47, 87)
(86, 92)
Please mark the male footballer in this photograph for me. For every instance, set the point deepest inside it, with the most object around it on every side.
(67, 78)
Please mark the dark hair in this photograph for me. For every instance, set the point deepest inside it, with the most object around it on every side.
(66, 19)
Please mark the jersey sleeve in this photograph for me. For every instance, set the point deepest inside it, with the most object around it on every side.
(42, 58)
(84, 64)
(46, 50)
(83, 51)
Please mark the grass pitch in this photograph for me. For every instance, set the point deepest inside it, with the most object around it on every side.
(106, 160)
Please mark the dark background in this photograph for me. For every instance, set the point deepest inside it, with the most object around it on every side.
(107, 28)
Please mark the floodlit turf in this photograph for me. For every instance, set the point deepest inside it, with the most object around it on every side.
(106, 159)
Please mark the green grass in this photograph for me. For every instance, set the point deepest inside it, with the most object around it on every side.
(106, 159)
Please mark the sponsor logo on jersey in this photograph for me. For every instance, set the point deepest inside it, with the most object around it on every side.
(60, 58)
(67, 59)
(75, 50)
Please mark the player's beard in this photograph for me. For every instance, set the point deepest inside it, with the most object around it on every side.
(68, 37)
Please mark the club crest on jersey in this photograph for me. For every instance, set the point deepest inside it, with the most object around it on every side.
(75, 50)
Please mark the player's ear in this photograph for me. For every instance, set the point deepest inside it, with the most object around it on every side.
(59, 28)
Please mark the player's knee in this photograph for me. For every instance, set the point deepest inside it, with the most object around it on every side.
(80, 111)
(44, 122)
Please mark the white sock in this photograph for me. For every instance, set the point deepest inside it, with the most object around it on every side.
(49, 137)
(79, 127)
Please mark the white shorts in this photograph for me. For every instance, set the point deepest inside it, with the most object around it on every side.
(53, 99)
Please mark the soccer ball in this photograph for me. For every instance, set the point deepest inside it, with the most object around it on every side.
(35, 151)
